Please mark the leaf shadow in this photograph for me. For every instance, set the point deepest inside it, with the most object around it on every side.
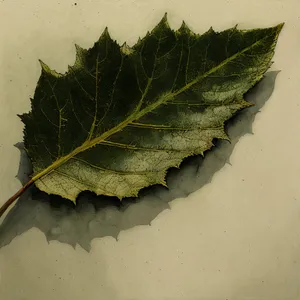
(100, 216)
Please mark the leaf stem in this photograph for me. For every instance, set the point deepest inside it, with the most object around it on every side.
(13, 198)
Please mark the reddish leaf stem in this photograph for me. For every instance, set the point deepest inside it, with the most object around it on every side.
(13, 198)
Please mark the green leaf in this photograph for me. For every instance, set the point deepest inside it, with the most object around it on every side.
(121, 116)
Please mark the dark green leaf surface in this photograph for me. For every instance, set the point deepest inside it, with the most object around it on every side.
(121, 117)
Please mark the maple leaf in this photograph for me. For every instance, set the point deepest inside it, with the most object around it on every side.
(121, 116)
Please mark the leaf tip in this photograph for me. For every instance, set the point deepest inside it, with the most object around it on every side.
(280, 26)
(277, 30)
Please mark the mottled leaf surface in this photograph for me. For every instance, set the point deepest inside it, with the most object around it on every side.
(120, 117)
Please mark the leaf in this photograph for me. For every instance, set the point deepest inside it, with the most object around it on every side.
(121, 116)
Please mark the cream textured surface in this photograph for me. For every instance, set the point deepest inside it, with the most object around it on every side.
(236, 238)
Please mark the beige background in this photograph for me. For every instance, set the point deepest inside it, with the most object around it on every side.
(236, 238)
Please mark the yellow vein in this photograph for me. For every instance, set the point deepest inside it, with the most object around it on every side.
(59, 118)
(113, 92)
(96, 100)
(203, 104)
(179, 65)
(74, 179)
(113, 171)
(133, 147)
(75, 114)
(164, 127)
(81, 86)
(149, 81)
(188, 60)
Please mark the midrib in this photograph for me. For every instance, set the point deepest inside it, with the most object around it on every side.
(134, 117)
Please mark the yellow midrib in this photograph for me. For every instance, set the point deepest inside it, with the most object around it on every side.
(163, 99)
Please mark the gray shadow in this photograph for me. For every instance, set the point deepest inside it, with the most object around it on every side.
(99, 216)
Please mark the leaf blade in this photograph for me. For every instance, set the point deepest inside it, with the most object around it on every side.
(123, 116)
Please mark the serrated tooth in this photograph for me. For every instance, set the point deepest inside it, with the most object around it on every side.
(47, 70)
(44, 66)
(105, 34)
(164, 184)
(210, 30)
(78, 48)
(165, 17)
(184, 27)
(126, 49)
